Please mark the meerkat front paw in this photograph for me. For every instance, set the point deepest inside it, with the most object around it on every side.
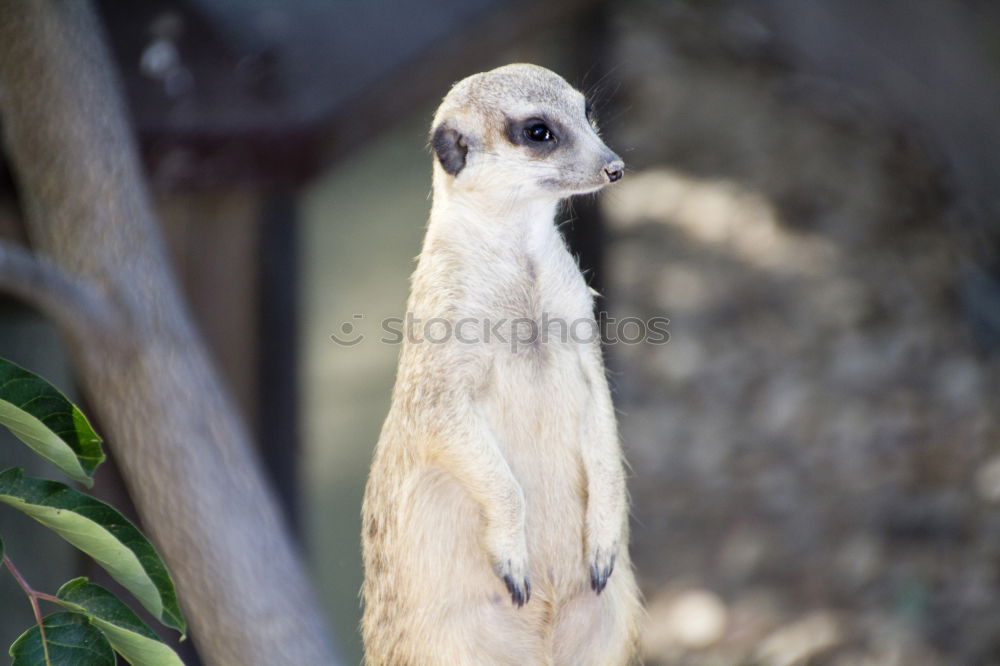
(603, 537)
(602, 563)
(605, 529)
(510, 563)
(515, 577)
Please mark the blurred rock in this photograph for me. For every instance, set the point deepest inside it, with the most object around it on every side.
(690, 620)
(798, 642)
(988, 480)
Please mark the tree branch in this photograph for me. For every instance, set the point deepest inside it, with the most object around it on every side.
(182, 449)
(75, 304)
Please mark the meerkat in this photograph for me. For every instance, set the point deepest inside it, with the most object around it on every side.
(495, 518)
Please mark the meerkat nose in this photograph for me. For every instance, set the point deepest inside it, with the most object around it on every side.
(615, 170)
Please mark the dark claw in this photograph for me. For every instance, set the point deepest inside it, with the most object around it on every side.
(518, 594)
(599, 579)
(596, 584)
(509, 582)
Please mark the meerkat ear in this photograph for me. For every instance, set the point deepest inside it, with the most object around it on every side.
(450, 147)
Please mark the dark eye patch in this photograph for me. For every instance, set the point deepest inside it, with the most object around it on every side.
(539, 134)
(588, 110)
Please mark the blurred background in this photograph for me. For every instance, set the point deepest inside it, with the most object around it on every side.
(812, 198)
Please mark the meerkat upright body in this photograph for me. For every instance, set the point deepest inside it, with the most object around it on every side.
(495, 516)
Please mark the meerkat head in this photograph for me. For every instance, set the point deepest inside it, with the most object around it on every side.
(520, 131)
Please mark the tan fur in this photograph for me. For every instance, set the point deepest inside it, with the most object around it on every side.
(501, 460)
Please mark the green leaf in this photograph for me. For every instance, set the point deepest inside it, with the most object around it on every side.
(100, 531)
(44, 419)
(72, 641)
(128, 634)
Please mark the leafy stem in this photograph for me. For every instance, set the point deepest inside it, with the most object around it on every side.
(33, 596)
(93, 623)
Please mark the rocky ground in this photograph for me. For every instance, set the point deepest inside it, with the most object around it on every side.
(815, 454)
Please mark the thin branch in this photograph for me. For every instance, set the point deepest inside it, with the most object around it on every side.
(33, 598)
(76, 304)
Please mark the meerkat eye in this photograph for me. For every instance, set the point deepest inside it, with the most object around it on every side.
(539, 132)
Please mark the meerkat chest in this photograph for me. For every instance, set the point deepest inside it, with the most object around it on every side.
(539, 289)
(539, 394)
(542, 324)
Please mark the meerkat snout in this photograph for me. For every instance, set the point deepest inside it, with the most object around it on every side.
(615, 170)
(520, 131)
